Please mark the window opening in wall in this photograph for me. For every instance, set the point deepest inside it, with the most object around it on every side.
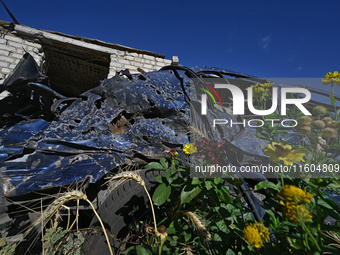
(73, 71)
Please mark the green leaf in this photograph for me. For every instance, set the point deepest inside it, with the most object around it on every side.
(195, 181)
(262, 136)
(331, 98)
(189, 192)
(296, 243)
(162, 193)
(212, 198)
(225, 196)
(266, 185)
(181, 170)
(218, 180)
(142, 251)
(172, 242)
(159, 178)
(129, 249)
(276, 221)
(177, 182)
(230, 208)
(171, 230)
(323, 202)
(338, 112)
(230, 252)
(282, 133)
(155, 165)
(168, 177)
(164, 163)
(187, 236)
(208, 184)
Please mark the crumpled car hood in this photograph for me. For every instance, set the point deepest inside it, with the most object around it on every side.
(101, 130)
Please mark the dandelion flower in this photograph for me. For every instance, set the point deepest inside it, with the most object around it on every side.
(279, 151)
(263, 230)
(294, 213)
(266, 85)
(253, 86)
(190, 148)
(292, 194)
(252, 235)
(293, 198)
(331, 78)
(259, 92)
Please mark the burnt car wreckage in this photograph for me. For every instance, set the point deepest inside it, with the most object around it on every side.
(50, 142)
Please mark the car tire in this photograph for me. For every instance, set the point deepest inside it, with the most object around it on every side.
(124, 206)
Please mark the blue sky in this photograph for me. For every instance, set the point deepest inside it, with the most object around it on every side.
(262, 38)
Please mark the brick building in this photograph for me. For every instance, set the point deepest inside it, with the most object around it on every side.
(73, 64)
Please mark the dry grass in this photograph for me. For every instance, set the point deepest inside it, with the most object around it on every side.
(198, 226)
(196, 132)
(121, 177)
(334, 236)
(53, 211)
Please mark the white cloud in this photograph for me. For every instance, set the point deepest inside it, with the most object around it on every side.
(264, 43)
(298, 69)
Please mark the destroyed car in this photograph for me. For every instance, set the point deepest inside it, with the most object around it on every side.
(50, 143)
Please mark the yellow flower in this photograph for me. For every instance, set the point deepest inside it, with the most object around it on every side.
(190, 148)
(292, 198)
(279, 151)
(292, 194)
(252, 235)
(331, 78)
(253, 86)
(264, 232)
(295, 212)
(266, 85)
(259, 92)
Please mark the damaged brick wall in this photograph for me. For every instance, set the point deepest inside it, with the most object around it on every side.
(132, 61)
(12, 48)
(14, 43)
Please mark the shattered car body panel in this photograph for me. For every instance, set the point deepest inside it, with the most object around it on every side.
(125, 120)
(117, 120)
(106, 127)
